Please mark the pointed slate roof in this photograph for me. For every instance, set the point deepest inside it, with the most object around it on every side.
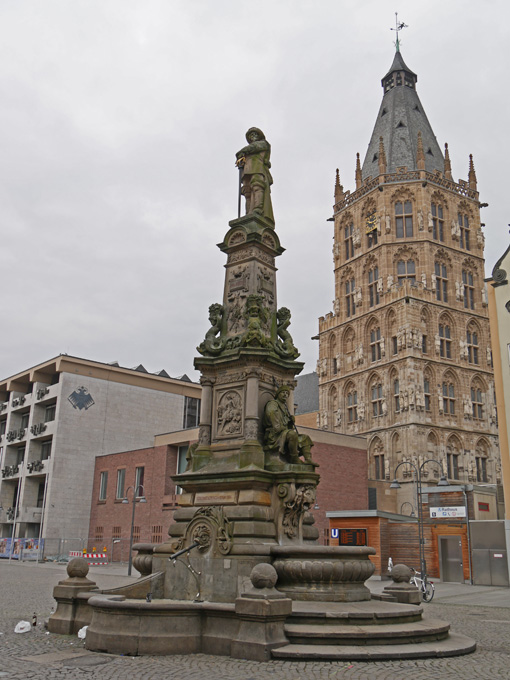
(400, 118)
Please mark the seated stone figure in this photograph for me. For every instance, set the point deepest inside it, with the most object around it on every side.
(280, 434)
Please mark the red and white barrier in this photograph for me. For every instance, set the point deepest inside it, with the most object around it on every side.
(93, 559)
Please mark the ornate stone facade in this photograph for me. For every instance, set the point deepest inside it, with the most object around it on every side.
(405, 357)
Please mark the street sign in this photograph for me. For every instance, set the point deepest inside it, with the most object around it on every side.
(448, 513)
(350, 536)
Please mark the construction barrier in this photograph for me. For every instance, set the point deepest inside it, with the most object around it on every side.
(93, 559)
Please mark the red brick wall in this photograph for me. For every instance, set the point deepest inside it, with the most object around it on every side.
(343, 483)
(160, 463)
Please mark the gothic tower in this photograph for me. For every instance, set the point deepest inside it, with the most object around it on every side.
(405, 357)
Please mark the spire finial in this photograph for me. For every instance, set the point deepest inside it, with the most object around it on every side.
(420, 153)
(472, 173)
(382, 157)
(339, 190)
(397, 29)
(358, 172)
(447, 164)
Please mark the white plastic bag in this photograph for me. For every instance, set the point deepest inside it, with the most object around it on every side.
(23, 627)
(82, 633)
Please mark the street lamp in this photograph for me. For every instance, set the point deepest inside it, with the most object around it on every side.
(142, 499)
(442, 482)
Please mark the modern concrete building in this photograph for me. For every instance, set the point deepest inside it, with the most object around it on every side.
(405, 356)
(56, 418)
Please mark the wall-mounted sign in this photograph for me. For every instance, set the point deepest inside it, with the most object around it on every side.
(441, 513)
(350, 536)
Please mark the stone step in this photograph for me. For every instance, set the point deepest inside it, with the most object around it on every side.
(453, 645)
(371, 612)
(390, 634)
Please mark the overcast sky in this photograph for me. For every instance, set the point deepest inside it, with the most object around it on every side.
(119, 123)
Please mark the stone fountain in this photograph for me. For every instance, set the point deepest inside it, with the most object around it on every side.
(242, 573)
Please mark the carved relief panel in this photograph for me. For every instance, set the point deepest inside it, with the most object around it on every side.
(229, 413)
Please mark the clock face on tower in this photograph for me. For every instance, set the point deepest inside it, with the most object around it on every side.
(371, 222)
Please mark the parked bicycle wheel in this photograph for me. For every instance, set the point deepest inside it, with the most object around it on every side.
(428, 592)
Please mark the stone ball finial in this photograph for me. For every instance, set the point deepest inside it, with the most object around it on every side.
(78, 568)
(263, 576)
(401, 573)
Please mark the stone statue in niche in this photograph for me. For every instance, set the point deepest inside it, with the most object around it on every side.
(280, 432)
(230, 413)
(257, 316)
(284, 345)
(212, 344)
(254, 163)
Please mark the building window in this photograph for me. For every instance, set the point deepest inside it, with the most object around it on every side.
(481, 471)
(24, 420)
(394, 344)
(373, 292)
(136, 534)
(121, 479)
(449, 398)
(20, 455)
(469, 290)
(45, 450)
(472, 346)
(157, 534)
(139, 477)
(464, 231)
(377, 400)
(191, 412)
(396, 395)
(424, 344)
(116, 532)
(437, 222)
(40, 495)
(98, 534)
(49, 413)
(404, 219)
(335, 366)
(375, 344)
(406, 270)
(445, 341)
(477, 403)
(441, 282)
(103, 485)
(379, 466)
(352, 407)
(349, 241)
(349, 297)
(3, 426)
(452, 461)
(426, 393)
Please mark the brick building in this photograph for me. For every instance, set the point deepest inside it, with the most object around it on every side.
(342, 465)
(405, 357)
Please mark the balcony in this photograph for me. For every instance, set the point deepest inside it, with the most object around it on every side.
(36, 466)
(38, 429)
(20, 401)
(10, 471)
(19, 434)
(31, 515)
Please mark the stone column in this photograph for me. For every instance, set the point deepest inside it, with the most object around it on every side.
(251, 452)
(202, 454)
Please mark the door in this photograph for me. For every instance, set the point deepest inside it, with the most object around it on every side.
(450, 553)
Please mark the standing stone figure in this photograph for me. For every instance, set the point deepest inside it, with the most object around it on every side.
(280, 434)
(253, 161)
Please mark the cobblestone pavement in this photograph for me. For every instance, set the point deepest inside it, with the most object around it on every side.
(26, 589)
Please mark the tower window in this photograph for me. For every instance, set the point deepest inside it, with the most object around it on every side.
(437, 222)
(373, 277)
(350, 307)
(449, 398)
(469, 291)
(464, 231)
(375, 344)
(472, 346)
(404, 219)
(377, 400)
(445, 342)
(406, 270)
(477, 403)
(379, 466)
(453, 465)
(396, 395)
(441, 281)
(352, 406)
(426, 393)
(481, 469)
(349, 241)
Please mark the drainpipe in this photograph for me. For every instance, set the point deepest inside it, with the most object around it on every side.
(466, 487)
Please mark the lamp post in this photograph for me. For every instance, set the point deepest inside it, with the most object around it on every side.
(142, 499)
(442, 482)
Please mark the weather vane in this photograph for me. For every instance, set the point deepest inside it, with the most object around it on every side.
(397, 29)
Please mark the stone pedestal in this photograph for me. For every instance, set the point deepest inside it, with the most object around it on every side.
(72, 596)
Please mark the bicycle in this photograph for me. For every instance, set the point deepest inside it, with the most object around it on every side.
(425, 587)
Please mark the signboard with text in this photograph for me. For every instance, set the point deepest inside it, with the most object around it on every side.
(448, 513)
(350, 536)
